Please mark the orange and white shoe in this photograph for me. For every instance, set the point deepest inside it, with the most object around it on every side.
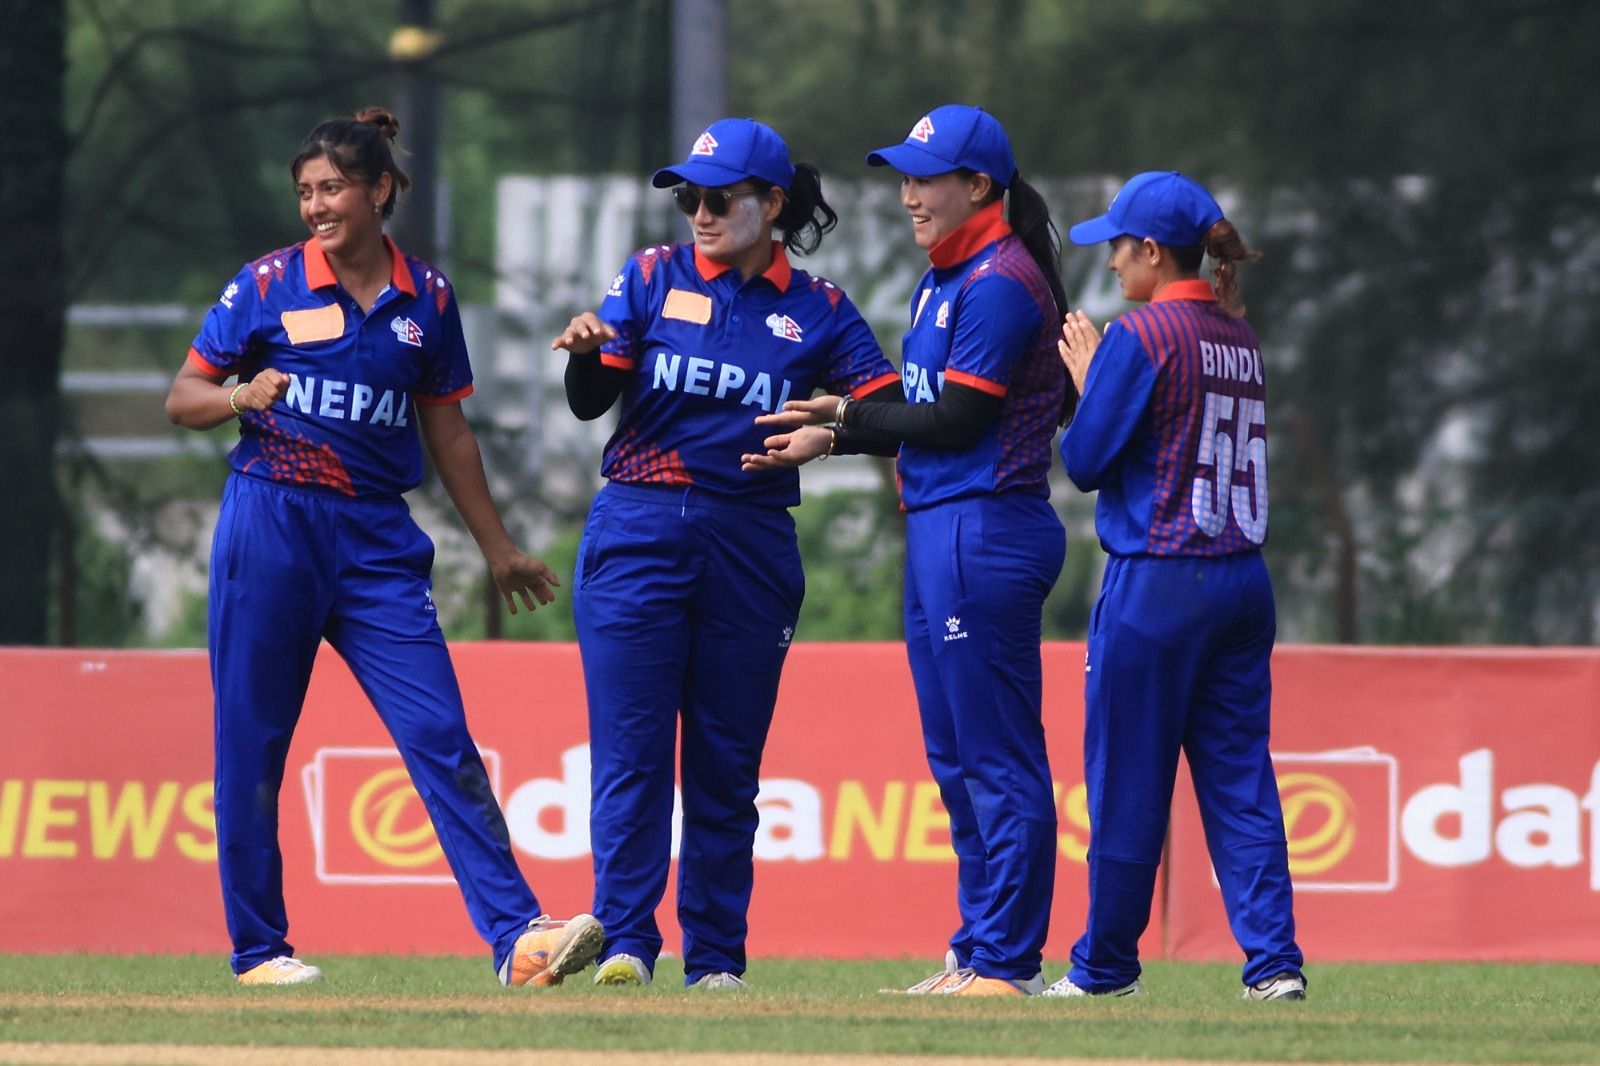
(551, 949)
(967, 982)
(283, 970)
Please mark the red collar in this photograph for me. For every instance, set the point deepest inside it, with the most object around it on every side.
(778, 273)
(1185, 289)
(971, 237)
(319, 274)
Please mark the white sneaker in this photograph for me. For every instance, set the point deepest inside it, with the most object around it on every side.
(1065, 987)
(622, 969)
(929, 985)
(720, 980)
(283, 970)
(1284, 985)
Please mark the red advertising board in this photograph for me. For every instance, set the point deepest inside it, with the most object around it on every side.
(105, 821)
(1440, 804)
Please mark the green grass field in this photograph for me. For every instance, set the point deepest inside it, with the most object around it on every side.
(1357, 1013)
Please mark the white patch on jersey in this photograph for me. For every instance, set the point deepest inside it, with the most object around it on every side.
(406, 331)
(941, 318)
(226, 300)
(922, 301)
(616, 286)
(784, 326)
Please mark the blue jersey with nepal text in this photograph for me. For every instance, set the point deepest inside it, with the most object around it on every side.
(347, 422)
(709, 351)
(1172, 430)
(983, 316)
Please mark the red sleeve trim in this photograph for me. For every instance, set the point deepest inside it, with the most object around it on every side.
(972, 381)
(882, 381)
(207, 367)
(618, 361)
(440, 401)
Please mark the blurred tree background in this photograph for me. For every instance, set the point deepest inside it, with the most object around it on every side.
(1424, 179)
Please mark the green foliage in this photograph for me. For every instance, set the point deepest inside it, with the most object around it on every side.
(853, 549)
(91, 592)
(1420, 177)
(1458, 1012)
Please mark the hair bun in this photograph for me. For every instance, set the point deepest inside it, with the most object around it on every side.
(382, 118)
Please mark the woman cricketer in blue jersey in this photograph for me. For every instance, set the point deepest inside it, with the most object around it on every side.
(984, 392)
(344, 347)
(688, 583)
(1172, 432)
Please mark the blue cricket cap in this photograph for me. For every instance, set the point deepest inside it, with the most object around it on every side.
(728, 152)
(1160, 204)
(952, 137)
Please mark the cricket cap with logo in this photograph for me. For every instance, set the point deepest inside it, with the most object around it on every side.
(952, 137)
(1162, 205)
(728, 152)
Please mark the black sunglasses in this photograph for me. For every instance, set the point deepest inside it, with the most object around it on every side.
(717, 201)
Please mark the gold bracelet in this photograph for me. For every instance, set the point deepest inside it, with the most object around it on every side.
(235, 392)
(833, 440)
(838, 415)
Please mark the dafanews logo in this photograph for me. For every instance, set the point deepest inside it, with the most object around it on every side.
(1529, 825)
(368, 825)
(55, 818)
(1339, 814)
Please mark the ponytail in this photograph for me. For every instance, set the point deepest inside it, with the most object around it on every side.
(1223, 243)
(1029, 217)
(806, 216)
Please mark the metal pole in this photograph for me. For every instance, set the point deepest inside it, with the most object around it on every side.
(416, 221)
(699, 68)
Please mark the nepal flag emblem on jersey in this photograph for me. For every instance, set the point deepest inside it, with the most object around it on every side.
(784, 326)
(407, 332)
(922, 130)
(706, 145)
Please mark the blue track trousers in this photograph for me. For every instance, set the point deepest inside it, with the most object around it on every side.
(977, 573)
(685, 604)
(1179, 657)
(289, 567)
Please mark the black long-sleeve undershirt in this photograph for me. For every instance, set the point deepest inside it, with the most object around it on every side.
(879, 422)
(592, 387)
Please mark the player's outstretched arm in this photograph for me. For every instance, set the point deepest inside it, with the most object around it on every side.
(791, 449)
(817, 411)
(455, 454)
(583, 334)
